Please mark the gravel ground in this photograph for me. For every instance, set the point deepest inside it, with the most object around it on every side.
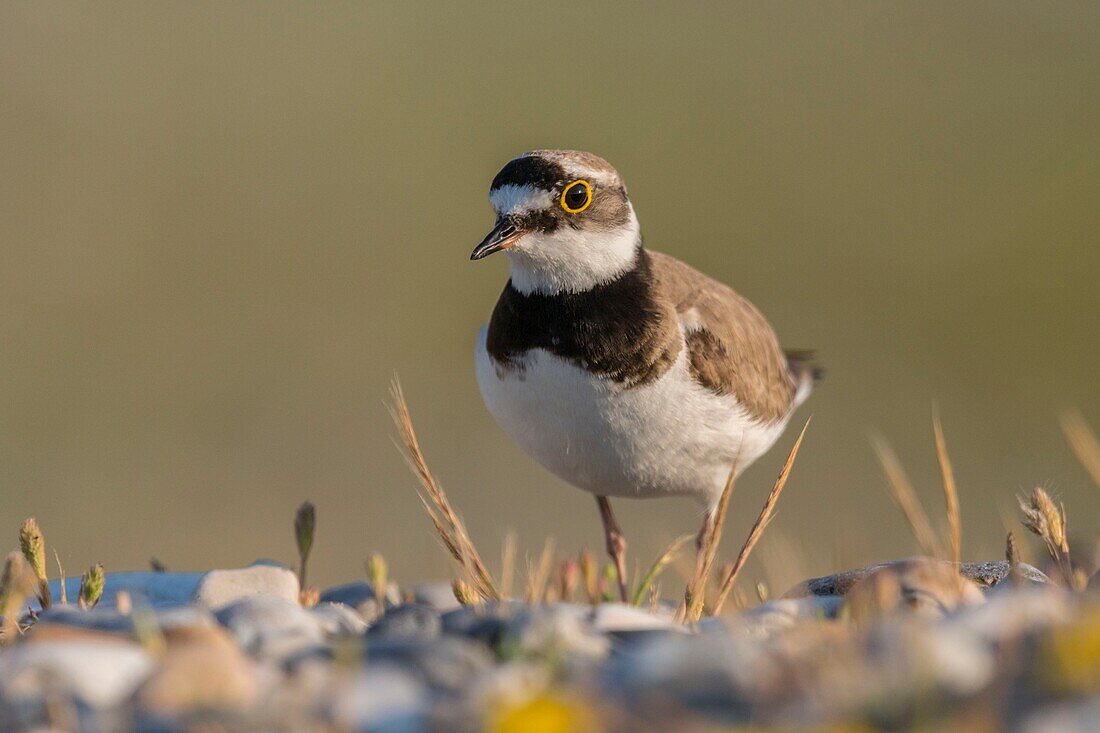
(900, 646)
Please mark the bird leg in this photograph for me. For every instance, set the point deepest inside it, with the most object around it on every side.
(616, 543)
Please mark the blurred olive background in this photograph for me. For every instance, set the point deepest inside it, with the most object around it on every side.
(225, 226)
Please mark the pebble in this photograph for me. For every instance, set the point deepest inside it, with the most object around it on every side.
(439, 595)
(1012, 612)
(560, 631)
(270, 627)
(336, 619)
(202, 670)
(445, 664)
(918, 587)
(773, 616)
(620, 617)
(408, 620)
(1078, 716)
(221, 587)
(381, 699)
(985, 574)
(710, 674)
(108, 619)
(924, 636)
(98, 672)
(360, 596)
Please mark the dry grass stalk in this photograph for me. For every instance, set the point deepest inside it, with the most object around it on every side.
(452, 531)
(950, 492)
(906, 498)
(1012, 555)
(569, 575)
(33, 547)
(691, 609)
(654, 597)
(658, 565)
(17, 582)
(507, 564)
(539, 574)
(1048, 522)
(1084, 442)
(61, 576)
(761, 523)
(590, 575)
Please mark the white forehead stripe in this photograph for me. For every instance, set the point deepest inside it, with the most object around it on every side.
(513, 199)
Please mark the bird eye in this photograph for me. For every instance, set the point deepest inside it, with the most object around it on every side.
(576, 197)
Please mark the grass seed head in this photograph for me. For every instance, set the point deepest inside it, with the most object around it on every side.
(465, 593)
(1049, 522)
(1044, 519)
(378, 573)
(91, 586)
(305, 521)
(34, 550)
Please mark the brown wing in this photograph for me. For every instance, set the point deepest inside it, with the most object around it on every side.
(733, 349)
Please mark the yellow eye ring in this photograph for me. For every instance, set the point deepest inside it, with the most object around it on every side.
(569, 197)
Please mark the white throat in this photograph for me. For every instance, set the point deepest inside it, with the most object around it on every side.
(571, 261)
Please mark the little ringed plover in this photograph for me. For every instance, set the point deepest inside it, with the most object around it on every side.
(621, 370)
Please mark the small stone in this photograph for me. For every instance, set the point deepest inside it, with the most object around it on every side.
(713, 674)
(360, 596)
(110, 620)
(408, 620)
(439, 595)
(486, 623)
(985, 574)
(202, 670)
(100, 673)
(1011, 612)
(446, 664)
(336, 619)
(270, 627)
(221, 587)
(1076, 716)
(773, 616)
(620, 617)
(560, 631)
(380, 698)
(921, 587)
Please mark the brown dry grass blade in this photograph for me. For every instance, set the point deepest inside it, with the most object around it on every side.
(692, 607)
(762, 521)
(655, 569)
(450, 527)
(1083, 441)
(538, 574)
(906, 498)
(950, 492)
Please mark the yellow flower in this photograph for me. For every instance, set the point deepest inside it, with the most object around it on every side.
(1069, 659)
(546, 713)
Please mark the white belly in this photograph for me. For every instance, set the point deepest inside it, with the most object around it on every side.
(671, 437)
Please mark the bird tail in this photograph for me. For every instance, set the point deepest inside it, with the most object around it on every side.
(805, 372)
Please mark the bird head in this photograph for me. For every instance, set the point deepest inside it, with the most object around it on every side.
(563, 219)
